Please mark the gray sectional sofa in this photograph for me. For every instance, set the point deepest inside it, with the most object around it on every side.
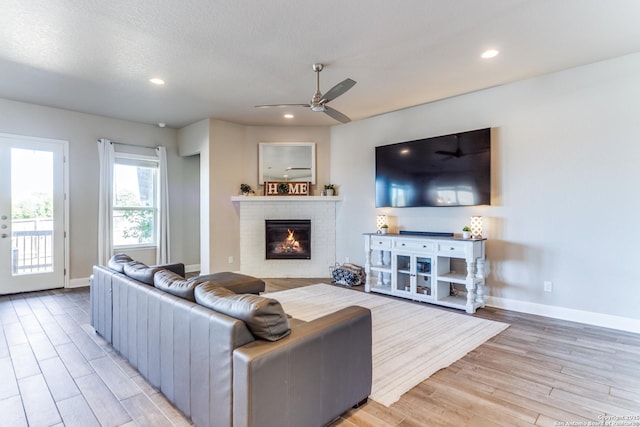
(252, 366)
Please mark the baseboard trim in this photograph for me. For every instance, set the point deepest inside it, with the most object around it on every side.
(78, 283)
(191, 268)
(588, 317)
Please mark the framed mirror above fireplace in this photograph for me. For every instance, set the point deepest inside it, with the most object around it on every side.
(287, 161)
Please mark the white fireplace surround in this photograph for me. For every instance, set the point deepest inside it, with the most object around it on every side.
(254, 210)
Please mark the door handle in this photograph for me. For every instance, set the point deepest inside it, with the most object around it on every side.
(4, 235)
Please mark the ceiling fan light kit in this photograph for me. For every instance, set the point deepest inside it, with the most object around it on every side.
(319, 101)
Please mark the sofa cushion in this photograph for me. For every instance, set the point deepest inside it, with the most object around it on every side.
(172, 283)
(236, 282)
(141, 272)
(118, 261)
(264, 317)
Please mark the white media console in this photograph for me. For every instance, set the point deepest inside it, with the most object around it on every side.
(422, 268)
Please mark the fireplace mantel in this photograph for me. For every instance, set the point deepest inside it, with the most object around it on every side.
(286, 198)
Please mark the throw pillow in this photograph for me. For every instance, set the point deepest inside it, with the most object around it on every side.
(172, 283)
(118, 261)
(264, 317)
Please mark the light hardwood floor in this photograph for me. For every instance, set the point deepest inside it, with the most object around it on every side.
(54, 370)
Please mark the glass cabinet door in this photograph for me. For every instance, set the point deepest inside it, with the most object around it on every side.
(404, 273)
(423, 276)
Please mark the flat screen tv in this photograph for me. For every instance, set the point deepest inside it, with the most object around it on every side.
(448, 170)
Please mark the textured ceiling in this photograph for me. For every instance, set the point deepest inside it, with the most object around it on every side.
(220, 58)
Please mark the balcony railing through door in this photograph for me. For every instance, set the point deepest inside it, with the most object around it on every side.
(32, 246)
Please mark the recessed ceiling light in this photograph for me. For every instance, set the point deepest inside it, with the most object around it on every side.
(491, 53)
(161, 125)
(156, 81)
(288, 116)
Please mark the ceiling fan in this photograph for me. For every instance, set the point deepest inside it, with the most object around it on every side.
(458, 153)
(319, 101)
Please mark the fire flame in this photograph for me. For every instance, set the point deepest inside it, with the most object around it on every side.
(290, 244)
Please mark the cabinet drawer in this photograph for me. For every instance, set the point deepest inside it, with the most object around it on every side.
(452, 249)
(415, 245)
(380, 243)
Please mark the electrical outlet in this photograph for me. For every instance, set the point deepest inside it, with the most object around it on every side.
(548, 286)
(230, 260)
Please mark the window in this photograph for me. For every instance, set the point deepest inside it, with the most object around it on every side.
(135, 200)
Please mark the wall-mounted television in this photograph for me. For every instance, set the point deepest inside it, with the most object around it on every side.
(448, 170)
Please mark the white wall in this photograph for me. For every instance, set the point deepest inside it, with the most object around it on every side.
(82, 131)
(566, 171)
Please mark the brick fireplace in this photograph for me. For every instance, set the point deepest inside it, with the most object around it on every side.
(319, 211)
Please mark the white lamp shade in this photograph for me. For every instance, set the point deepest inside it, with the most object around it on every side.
(476, 227)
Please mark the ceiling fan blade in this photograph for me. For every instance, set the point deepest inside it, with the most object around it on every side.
(336, 114)
(281, 105)
(338, 90)
(447, 153)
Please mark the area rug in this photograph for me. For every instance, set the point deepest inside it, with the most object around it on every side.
(410, 341)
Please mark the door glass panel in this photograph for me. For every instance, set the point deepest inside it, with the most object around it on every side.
(31, 211)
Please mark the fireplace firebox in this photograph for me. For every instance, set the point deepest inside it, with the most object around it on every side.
(288, 239)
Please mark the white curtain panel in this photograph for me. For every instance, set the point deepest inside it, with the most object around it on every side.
(105, 200)
(162, 251)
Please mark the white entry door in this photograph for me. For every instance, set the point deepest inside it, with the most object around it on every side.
(32, 217)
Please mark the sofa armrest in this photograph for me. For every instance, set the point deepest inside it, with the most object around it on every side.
(318, 372)
(177, 268)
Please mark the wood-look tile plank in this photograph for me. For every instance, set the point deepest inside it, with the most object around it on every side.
(52, 305)
(144, 412)
(39, 406)
(30, 324)
(106, 407)
(14, 334)
(68, 325)
(605, 403)
(7, 312)
(89, 349)
(121, 385)
(8, 382)
(20, 306)
(12, 412)
(60, 383)
(55, 333)
(24, 362)
(4, 348)
(171, 412)
(41, 346)
(75, 412)
(74, 361)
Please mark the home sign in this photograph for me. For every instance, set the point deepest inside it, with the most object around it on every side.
(287, 188)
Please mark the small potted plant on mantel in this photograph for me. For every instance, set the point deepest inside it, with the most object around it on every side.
(466, 232)
(384, 229)
(329, 189)
(246, 190)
